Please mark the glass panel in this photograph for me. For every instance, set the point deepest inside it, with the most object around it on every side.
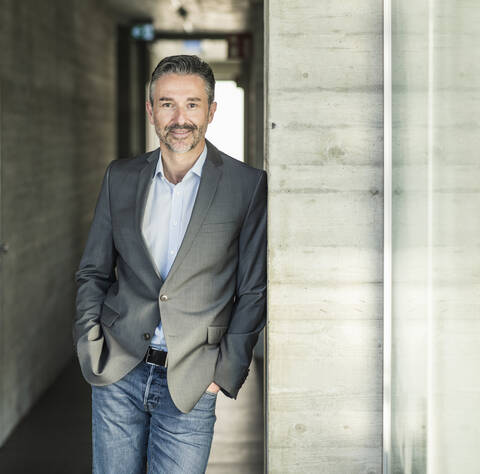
(435, 425)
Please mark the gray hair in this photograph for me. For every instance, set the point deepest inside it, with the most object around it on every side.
(184, 64)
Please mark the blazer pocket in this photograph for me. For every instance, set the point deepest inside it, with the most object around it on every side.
(108, 316)
(218, 226)
(215, 334)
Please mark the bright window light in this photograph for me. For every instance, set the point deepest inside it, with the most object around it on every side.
(226, 129)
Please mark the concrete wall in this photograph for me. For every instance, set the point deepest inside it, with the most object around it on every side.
(57, 129)
(325, 159)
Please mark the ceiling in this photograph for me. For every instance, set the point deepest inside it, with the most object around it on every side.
(199, 15)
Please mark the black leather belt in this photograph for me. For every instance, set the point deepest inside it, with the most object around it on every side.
(155, 357)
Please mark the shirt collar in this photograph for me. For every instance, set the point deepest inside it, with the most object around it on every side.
(196, 168)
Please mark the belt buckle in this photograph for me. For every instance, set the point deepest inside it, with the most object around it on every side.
(147, 357)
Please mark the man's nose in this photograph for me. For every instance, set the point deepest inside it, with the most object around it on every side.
(180, 116)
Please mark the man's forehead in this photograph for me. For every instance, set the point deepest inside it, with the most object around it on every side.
(174, 85)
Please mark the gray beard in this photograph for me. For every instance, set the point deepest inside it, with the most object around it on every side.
(198, 134)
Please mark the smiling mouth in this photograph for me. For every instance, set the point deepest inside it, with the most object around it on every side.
(180, 133)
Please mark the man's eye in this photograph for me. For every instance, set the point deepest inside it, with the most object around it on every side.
(166, 105)
(192, 106)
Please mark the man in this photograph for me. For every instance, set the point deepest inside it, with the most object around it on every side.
(171, 286)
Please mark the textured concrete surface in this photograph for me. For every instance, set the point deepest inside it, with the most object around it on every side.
(57, 73)
(325, 164)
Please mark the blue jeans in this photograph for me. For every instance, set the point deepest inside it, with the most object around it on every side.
(135, 424)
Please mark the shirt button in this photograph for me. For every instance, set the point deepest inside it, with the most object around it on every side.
(146, 336)
(163, 298)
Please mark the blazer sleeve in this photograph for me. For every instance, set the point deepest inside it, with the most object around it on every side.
(249, 311)
(96, 271)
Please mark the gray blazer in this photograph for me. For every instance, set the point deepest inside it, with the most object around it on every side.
(212, 303)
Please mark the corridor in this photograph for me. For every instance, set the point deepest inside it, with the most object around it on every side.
(73, 86)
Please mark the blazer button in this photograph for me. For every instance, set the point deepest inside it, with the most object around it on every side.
(146, 336)
(163, 298)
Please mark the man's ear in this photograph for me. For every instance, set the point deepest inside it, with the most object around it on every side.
(211, 111)
(148, 107)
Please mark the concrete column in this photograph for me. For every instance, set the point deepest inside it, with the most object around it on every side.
(325, 163)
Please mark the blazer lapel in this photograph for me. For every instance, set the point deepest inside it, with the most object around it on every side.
(143, 186)
(211, 173)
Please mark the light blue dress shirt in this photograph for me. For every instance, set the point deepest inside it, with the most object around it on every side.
(167, 214)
